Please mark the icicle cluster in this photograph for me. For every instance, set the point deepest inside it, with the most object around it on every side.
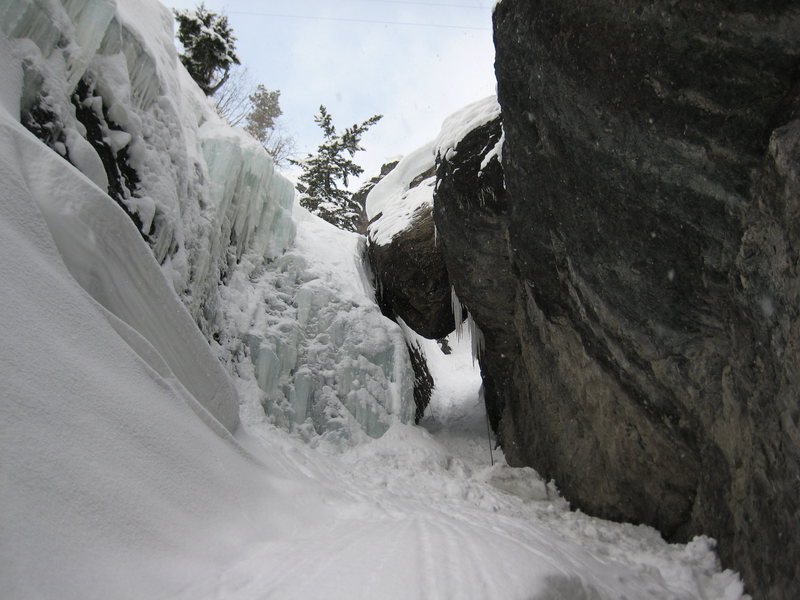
(467, 327)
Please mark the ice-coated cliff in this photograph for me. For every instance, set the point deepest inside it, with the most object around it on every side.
(100, 83)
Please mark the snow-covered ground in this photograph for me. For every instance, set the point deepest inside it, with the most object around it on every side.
(136, 458)
(422, 513)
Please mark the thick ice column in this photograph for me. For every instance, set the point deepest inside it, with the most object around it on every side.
(328, 363)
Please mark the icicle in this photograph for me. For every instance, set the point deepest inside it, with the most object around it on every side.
(467, 327)
(476, 338)
(458, 312)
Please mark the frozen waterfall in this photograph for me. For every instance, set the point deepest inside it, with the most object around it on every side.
(219, 219)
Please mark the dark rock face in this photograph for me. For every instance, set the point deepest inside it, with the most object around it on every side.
(411, 284)
(423, 380)
(652, 168)
(473, 215)
(123, 181)
(411, 279)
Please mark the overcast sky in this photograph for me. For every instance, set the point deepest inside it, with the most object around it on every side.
(356, 58)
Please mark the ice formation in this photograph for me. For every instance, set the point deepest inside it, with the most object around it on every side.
(466, 328)
(328, 364)
(151, 115)
(102, 85)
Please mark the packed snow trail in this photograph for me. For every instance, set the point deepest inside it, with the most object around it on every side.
(421, 513)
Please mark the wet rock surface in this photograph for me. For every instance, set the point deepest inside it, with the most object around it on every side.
(423, 380)
(652, 169)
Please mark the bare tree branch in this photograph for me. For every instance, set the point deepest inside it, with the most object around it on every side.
(232, 99)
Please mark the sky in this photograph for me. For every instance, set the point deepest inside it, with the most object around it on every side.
(415, 62)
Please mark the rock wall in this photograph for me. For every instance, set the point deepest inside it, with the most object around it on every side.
(411, 284)
(652, 167)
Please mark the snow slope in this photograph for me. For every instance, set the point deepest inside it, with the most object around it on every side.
(395, 200)
(123, 473)
(115, 482)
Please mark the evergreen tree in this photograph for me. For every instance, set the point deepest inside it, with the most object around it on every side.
(209, 47)
(331, 165)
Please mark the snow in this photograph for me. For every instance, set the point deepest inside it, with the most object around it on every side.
(116, 481)
(421, 513)
(388, 189)
(86, 159)
(495, 152)
(137, 457)
(392, 204)
(399, 214)
(10, 81)
(460, 123)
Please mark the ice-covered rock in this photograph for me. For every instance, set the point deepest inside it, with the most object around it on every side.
(101, 84)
